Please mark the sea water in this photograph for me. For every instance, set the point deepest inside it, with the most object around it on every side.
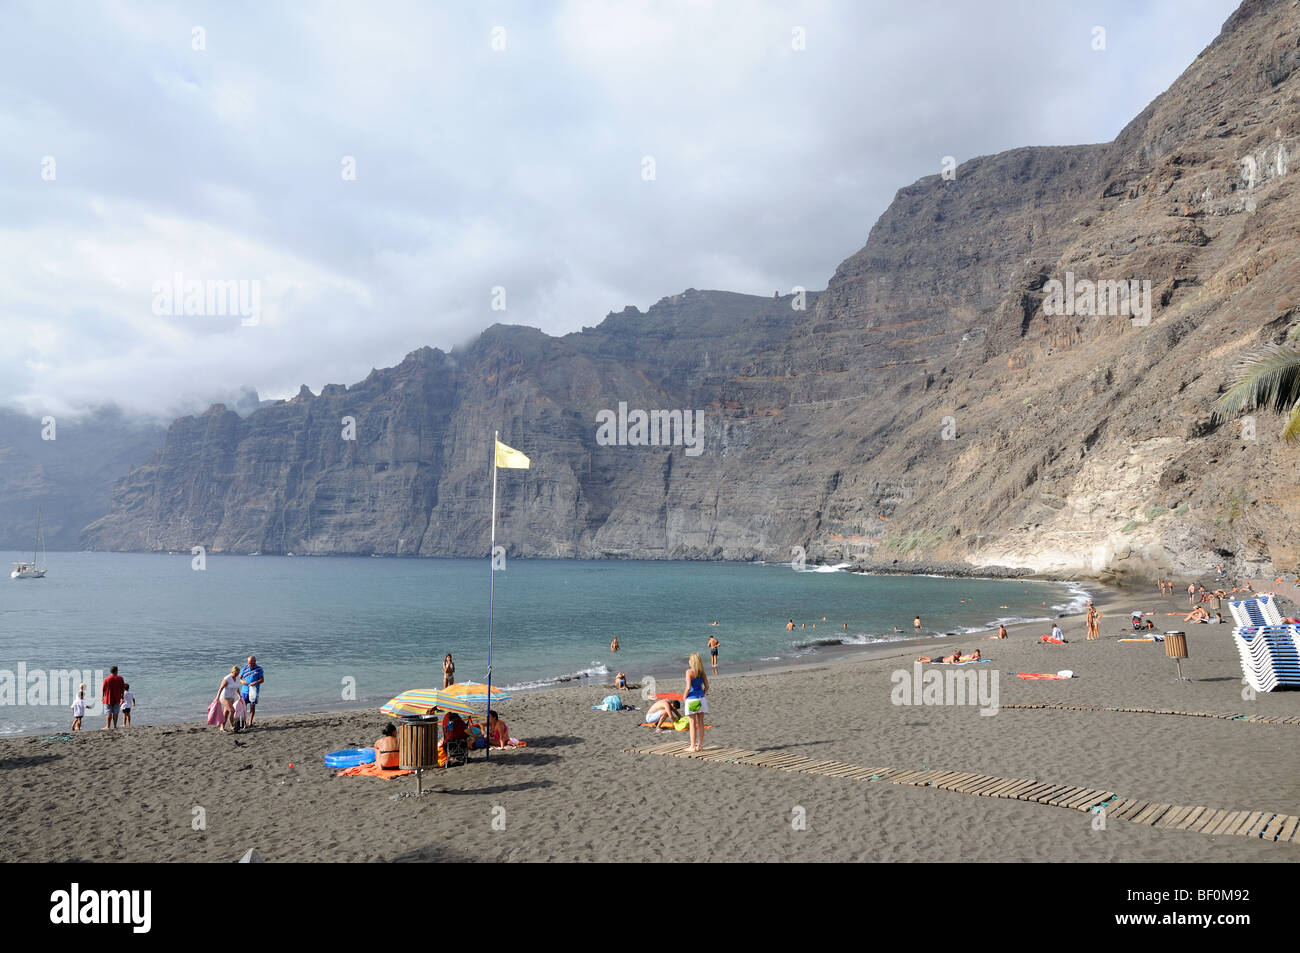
(351, 632)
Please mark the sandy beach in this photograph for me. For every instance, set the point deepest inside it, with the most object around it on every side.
(573, 794)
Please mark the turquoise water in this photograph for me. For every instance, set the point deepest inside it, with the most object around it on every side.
(385, 624)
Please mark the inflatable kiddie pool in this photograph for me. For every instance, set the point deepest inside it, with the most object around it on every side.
(349, 757)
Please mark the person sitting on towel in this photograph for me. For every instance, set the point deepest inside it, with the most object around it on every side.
(499, 733)
(386, 756)
(662, 714)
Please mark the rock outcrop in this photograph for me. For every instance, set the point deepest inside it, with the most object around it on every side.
(933, 404)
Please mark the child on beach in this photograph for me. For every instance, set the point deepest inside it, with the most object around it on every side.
(128, 702)
(79, 708)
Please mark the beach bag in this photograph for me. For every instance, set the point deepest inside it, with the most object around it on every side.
(214, 713)
(610, 703)
(241, 710)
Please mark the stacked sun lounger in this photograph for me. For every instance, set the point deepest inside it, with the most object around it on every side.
(1262, 610)
(1269, 648)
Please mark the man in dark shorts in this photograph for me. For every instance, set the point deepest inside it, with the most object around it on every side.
(114, 686)
(250, 681)
(713, 652)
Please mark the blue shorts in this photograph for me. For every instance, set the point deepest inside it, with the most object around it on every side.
(113, 709)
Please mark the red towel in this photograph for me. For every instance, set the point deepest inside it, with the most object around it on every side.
(1051, 675)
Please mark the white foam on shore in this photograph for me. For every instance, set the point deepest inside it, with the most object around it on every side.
(838, 567)
(1078, 601)
(598, 669)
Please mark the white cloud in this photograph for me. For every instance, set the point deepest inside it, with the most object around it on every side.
(477, 168)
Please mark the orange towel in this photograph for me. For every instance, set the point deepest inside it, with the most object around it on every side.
(1047, 675)
(1048, 638)
(371, 770)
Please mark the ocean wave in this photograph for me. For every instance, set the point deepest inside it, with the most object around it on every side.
(598, 669)
(1078, 601)
(838, 567)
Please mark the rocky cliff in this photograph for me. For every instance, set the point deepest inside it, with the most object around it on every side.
(67, 466)
(934, 403)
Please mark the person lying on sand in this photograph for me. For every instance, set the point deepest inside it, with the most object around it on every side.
(662, 714)
(955, 657)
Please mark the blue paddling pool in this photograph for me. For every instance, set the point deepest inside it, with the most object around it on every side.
(349, 757)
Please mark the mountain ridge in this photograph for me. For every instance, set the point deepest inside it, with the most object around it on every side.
(925, 407)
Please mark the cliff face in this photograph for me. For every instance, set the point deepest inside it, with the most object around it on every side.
(925, 407)
(67, 467)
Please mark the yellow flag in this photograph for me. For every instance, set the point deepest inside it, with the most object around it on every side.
(509, 458)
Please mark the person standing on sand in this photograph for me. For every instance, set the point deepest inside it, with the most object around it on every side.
(696, 704)
(112, 691)
(79, 708)
(227, 692)
(448, 672)
(128, 703)
(251, 679)
(713, 652)
(1191, 593)
(1092, 615)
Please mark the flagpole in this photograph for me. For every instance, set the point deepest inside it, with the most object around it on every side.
(492, 578)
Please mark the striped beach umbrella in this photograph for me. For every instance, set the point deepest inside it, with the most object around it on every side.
(476, 694)
(420, 701)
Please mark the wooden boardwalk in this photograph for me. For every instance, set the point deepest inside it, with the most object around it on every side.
(1224, 715)
(1265, 825)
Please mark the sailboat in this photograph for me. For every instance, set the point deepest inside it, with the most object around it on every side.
(32, 569)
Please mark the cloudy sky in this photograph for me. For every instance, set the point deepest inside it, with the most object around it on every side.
(375, 171)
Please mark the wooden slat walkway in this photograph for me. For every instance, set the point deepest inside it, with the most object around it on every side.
(1224, 715)
(1266, 825)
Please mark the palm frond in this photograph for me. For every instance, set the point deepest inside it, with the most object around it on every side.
(1268, 379)
(1291, 433)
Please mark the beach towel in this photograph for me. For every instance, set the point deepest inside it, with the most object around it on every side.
(372, 770)
(1048, 676)
(612, 703)
(1048, 638)
(682, 724)
(969, 661)
(214, 713)
(1137, 640)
